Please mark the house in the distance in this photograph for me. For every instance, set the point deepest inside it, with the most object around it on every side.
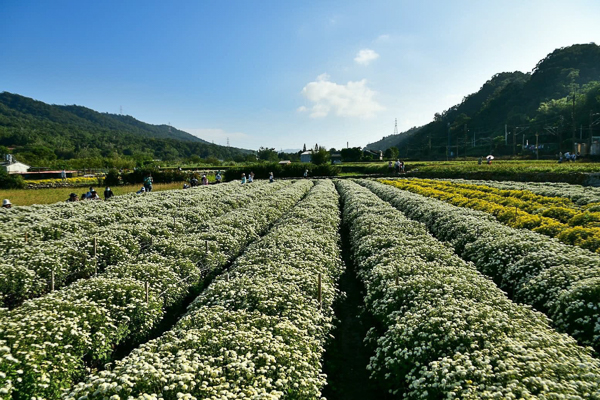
(12, 166)
(306, 156)
(374, 154)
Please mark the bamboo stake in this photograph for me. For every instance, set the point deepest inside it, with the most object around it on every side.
(52, 281)
(147, 286)
(319, 292)
(96, 255)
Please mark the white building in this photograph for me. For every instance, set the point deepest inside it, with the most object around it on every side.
(306, 156)
(13, 166)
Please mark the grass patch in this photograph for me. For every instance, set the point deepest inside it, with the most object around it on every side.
(27, 197)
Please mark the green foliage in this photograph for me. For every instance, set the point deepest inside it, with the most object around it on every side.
(158, 175)
(112, 178)
(392, 153)
(321, 156)
(543, 98)
(48, 135)
(294, 170)
(267, 154)
(352, 154)
(11, 181)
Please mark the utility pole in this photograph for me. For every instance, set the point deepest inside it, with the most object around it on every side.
(449, 144)
(518, 129)
(514, 141)
(466, 140)
(573, 120)
(592, 123)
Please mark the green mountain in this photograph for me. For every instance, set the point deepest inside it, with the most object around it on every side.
(554, 104)
(44, 134)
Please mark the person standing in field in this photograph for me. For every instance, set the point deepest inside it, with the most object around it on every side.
(6, 203)
(204, 180)
(306, 174)
(243, 178)
(148, 181)
(271, 177)
(218, 177)
(108, 193)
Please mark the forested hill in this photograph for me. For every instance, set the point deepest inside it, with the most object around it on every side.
(41, 134)
(557, 101)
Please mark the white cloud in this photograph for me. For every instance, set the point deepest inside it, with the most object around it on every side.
(354, 99)
(382, 38)
(219, 136)
(365, 56)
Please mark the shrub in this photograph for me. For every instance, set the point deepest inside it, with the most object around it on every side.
(11, 181)
(294, 170)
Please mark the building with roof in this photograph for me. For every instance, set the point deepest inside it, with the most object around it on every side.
(12, 166)
(306, 156)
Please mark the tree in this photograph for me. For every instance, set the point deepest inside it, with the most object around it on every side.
(351, 154)
(321, 156)
(304, 148)
(267, 154)
(392, 153)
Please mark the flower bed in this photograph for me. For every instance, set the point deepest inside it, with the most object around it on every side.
(553, 217)
(86, 243)
(257, 331)
(445, 331)
(580, 195)
(54, 341)
(557, 279)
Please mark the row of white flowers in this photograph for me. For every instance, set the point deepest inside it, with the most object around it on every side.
(51, 342)
(579, 194)
(257, 332)
(105, 235)
(445, 330)
(559, 280)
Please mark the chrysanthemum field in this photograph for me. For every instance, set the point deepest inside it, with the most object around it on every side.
(471, 290)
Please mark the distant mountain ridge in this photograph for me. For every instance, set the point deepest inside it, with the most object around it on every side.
(554, 101)
(38, 131)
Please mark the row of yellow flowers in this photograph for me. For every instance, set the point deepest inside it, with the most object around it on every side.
(587, 236)
(558, 208)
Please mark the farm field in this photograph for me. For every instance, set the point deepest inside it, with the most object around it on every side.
(235, 291)
(28, 197)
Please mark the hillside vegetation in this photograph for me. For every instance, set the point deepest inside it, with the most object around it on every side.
(49, 135)
(556, 101)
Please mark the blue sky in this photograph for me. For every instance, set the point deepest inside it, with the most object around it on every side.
(278, 73)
